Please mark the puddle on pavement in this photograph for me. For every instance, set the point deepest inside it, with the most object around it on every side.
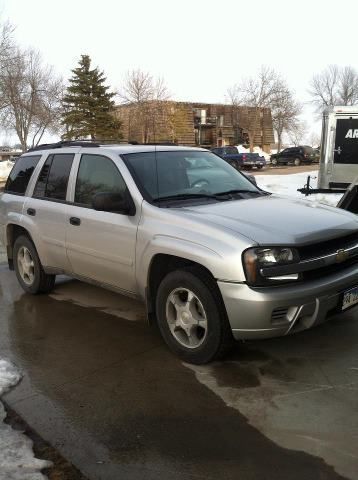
(281, 392)
(89, 296)
(291, 401)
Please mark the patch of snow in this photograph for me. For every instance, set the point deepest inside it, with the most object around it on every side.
(5, 169)
(242, 149)
(17, 461)
(262, 153)
(288, 184)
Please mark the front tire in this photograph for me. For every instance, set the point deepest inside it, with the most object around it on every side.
(191, 316)
(297, 162)
(28, 268)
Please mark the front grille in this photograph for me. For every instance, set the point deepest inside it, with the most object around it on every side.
(330, 269)
(328, 247)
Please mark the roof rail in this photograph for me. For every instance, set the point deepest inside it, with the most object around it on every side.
(92, 143)
(64, 144)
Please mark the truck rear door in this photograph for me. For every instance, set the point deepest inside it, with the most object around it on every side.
(345, 168)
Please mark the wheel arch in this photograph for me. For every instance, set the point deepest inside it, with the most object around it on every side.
(161, 264)
(13, 231)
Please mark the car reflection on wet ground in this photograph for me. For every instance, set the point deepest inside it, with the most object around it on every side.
(103, 389)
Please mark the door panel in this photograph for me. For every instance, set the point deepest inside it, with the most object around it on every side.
(101, 246)
(46, 210)
(48, 221)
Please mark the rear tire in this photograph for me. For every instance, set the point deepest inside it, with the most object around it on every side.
(28, 268)
(297, 162)
(191, 316)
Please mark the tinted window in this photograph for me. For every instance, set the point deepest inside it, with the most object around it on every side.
(53, 178)
(184, 172)
(231, 151)
(97, 174)
(21, 173)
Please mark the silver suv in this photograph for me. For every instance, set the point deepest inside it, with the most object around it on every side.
(213, 257)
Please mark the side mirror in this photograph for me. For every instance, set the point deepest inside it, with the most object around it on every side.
(113, 202)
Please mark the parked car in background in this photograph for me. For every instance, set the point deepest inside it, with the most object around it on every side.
(240, 160)
(253, 160)
(317, 155)
(230, 154)
(294, 155)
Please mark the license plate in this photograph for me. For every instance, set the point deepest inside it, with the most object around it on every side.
(350, 298)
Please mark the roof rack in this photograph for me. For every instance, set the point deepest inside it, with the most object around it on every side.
(92, 143)
(64, 144)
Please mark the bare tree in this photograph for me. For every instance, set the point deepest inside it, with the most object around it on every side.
(348, 86)
(6, 42)
(257, 93)
(314, 139)
(150, 97)
(285, 111)
(31, 95)
(334, 86)
(297, 133)
(7, 47)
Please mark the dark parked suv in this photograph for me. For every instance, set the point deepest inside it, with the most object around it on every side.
(295, 155)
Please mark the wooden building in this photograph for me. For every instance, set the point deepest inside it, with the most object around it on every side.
(196, 124)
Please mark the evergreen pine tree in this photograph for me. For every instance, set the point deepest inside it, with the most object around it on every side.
(88, 108)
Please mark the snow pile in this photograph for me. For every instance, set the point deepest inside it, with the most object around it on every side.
(242, 149)
(5, 169)
(17, 460)
(288, 185)
(262, 153)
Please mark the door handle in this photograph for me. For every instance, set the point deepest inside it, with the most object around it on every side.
(31, 211)
(75, 221)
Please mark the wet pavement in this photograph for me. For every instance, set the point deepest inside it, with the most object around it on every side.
(102, 388)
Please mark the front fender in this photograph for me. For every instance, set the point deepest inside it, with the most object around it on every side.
(163, 244)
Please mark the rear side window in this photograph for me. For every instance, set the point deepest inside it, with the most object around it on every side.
(20, 175)
(53, 179)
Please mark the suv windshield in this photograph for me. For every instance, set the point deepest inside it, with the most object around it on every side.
(185, 174)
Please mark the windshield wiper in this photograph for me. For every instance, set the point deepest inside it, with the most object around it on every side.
(185, 196)
(232, 192)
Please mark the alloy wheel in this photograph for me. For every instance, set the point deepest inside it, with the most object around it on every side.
(186, 318)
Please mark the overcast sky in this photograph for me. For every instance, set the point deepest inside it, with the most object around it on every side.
(200, 47)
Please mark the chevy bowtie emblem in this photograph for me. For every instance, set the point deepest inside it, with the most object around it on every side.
(342, 256)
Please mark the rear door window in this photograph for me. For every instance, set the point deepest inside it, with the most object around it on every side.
(53, 179)
(97, 174)
(20, 175)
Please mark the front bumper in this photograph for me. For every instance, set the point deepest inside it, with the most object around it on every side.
(254, 164)
(276, 311)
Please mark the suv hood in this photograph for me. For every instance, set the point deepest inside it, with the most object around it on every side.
(277, 220)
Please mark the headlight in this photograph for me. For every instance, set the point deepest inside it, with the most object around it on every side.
(256, 259)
